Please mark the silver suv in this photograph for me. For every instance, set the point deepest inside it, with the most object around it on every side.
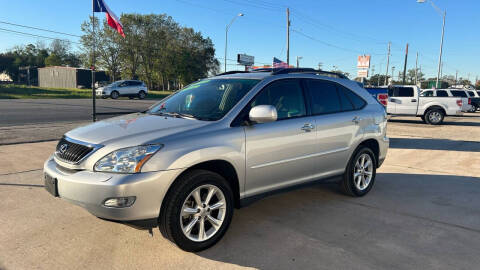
(124, 88)
(219, 144)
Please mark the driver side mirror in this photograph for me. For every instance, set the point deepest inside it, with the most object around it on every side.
(263, 114)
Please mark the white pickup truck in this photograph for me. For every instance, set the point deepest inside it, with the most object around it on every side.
(406, 100)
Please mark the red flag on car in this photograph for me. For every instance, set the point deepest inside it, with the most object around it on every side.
(112, 19)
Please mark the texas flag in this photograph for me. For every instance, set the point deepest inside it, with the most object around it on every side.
(112, 19)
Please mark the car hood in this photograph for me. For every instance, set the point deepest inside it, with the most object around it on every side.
(144, 127)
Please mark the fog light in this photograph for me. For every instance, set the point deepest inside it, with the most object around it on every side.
(119, 202)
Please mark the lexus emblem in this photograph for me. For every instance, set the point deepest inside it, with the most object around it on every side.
(63, 148)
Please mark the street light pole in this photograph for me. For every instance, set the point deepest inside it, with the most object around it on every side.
(226, 37)
(441, 48)
(443, 14)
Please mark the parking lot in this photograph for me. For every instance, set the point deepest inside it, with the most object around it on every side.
(423, 213)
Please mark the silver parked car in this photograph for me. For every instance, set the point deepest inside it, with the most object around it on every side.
(219, 144)
(124, 88)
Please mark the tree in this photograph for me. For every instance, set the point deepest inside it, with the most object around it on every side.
(155, 49)
(410, 76)
(53, 60)
(377, 79)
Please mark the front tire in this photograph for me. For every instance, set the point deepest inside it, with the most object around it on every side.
(142, 94)
(114, 95)
(360, 173)
(198, 210)
(434, 116)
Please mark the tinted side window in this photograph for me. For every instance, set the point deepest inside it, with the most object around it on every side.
(471, 93)
(427, 94)
(458, 93)
(357, 101)
(404, 92)
(344, 100)
(442, 93)
(286, 96)
(323, 96)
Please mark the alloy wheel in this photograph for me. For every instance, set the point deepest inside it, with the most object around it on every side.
(203, 213)
(363, 172)
(434, 117)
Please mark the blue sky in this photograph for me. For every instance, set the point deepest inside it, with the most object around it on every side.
(331, 32)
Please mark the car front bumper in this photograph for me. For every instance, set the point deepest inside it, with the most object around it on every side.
(90, 190)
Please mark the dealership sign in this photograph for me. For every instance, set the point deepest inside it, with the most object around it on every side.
(363, 61)
(246, 60)
(362, 73)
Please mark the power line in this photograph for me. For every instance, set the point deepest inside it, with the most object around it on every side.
(329, 44)
(38, 36)
(41, 29)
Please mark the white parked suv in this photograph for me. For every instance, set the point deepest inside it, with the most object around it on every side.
(124, 88)
(458, 93)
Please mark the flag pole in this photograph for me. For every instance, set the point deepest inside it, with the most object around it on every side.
(94, 114)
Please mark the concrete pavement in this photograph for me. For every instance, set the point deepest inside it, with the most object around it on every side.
(421, 214)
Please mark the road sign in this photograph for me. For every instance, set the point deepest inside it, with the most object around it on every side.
(246, 60)
(363, 61)
(362, 73)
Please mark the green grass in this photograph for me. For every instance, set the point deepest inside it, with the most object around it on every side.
(11, 91)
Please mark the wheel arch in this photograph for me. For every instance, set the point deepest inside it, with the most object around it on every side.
(438, 107)
(373, 145)
(220, 166)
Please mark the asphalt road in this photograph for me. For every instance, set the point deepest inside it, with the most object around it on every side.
(17, 112)
(422, 213)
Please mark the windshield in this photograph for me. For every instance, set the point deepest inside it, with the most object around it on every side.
(205, 100)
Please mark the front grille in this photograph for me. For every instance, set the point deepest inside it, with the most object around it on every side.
(71, 152)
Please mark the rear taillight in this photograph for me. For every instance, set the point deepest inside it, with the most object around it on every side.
(383, 99)
(459, 103)
(469, 101)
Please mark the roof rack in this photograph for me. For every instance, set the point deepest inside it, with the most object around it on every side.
(277, 71)
(232, 72)
(309, 70)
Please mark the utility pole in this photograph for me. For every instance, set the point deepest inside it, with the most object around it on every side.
(416, 70)
(405, 65)
(393, 72)
(388, 61)
(456, 76)
(380, 70)
(298, 62)
(288, 36)
(320, 64)
(373, 73)
(441, 48)
(94, 110)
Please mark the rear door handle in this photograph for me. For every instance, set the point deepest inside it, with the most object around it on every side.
(356, 120)
(308, 127)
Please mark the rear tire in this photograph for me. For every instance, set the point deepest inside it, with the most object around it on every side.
(360, 173)
(434, 116)
(114, 95)
(181, 209)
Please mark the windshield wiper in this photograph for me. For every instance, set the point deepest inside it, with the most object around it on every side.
(174, 114)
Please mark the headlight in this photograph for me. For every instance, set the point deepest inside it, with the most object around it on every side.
(126, 160)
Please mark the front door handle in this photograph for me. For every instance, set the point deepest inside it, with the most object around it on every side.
(356, 120)
(413, 100)
(308, 127)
